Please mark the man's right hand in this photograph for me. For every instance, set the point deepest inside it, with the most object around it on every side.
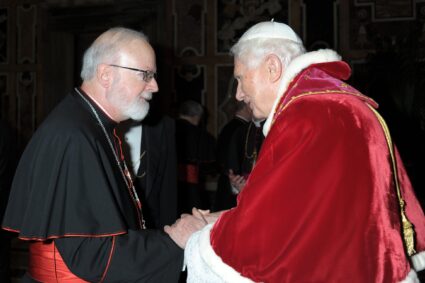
(206, 215)
(183, 228)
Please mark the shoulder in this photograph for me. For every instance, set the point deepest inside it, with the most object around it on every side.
(327, 113)
(67, 122)
(326, 106)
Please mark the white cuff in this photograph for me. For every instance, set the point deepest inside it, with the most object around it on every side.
(204, 265)
(412, 277)
(418, 261)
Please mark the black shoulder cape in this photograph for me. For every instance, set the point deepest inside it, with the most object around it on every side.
(68, 182)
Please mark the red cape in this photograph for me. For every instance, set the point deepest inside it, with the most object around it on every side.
(320, 205)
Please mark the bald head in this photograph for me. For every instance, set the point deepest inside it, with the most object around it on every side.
(109, 47)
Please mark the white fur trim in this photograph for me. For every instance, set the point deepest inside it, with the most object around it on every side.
(295, 67)
(412, 277)
(204, 265)
(418, 261)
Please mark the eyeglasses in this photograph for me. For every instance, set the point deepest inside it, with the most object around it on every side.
(147, 75)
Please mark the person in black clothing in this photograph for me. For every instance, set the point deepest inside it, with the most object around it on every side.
(225, 197)
(73, 198)
(195, 157)
(151, 150)
(243, 149)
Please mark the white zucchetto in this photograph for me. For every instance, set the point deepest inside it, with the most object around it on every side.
(270, 30)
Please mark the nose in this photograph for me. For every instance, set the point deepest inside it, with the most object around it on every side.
(152, 86)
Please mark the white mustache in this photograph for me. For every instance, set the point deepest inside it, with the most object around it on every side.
(147, 95)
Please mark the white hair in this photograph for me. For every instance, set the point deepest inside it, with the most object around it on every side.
(106, 48)
(251, 52)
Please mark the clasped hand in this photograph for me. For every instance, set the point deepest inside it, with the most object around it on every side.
(237, 181)
(188, 224)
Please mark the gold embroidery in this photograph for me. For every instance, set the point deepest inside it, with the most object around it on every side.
(336, 91)
(407, 229)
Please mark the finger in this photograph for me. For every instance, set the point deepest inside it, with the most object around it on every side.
(184, 215)
(204, 211)
(199, 215)
(236, 179)
(200, 211)
(167, 229)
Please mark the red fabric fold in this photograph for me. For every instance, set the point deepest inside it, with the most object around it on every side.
(46, 264)
(320, 205)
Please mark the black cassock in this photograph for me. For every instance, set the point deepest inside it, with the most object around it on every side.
(224, 198)
(238, 153)
(196, 160)
(68, 188)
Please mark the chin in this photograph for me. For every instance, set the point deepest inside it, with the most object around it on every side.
(139, 117)
(140, 113)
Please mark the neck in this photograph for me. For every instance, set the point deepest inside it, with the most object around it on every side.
(242, 117)
(99, 101)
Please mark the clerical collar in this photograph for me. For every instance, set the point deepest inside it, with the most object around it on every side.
(258, 123)
(103, 115)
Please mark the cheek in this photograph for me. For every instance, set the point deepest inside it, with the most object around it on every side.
(247, 87)
(140, 87)
(134, 88)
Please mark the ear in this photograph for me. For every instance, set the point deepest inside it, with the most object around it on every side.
(274, 67)
(104, 75)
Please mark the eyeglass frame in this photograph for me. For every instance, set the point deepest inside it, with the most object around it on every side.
(147, 75)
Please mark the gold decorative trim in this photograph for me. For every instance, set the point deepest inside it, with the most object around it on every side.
(337, 91)
(407, 229)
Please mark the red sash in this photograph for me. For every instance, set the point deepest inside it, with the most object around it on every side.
(46, 264)
(189, 173)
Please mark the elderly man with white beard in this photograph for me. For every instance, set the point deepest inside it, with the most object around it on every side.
(73, 197)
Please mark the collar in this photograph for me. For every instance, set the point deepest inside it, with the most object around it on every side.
(109, 123)
(294, 68)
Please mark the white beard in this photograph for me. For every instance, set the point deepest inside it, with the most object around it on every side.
(136, 109)
(139, 109)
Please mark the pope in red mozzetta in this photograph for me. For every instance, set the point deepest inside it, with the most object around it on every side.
(321, 204)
